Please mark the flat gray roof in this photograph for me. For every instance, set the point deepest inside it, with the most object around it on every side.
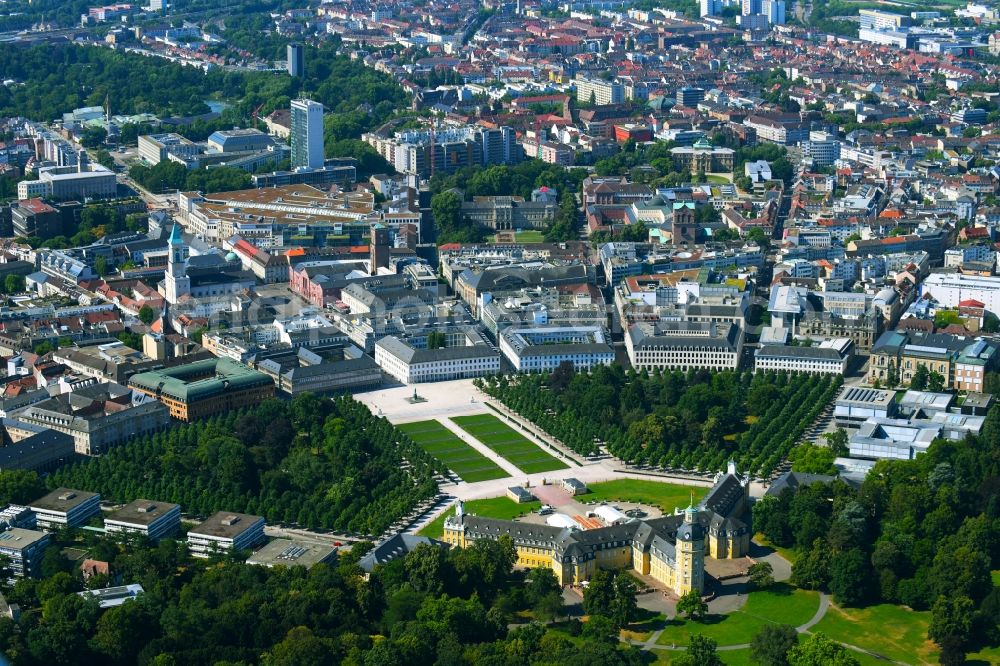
(18, 539)
(142, 512)
(63, 499)
(289, 553)
(226, 524)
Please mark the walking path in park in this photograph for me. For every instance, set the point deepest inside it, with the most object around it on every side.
(490, 454)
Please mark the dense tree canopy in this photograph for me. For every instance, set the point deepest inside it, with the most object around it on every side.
(431, 607)
(319, 463)
(922, 533)
(693, 420)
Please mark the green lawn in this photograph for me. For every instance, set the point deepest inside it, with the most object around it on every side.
(495, 507)
(894, 632)
(528, 237)
(666, 496)
(520, 451)
(718, 180)
(788, 553)
(781, 604)
(445, 445)
(996, 577)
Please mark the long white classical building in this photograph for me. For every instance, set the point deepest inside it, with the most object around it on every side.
(829, 357)
(542, 349)
(685, 345)
(410, 364)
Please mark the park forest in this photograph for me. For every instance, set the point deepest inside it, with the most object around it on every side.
(694, 420)
(322, 464)
(923, 533)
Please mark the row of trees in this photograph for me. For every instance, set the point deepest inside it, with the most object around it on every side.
(924, 533)
(693, 420)
(168, 175)
(320, 463)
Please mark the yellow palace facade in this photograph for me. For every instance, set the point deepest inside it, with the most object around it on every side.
(671, 549)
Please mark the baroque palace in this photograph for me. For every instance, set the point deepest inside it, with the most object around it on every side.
(671, 549)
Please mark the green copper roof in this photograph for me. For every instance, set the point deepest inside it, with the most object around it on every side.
(199, 380)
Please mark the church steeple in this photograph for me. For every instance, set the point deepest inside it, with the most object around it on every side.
(176, 283)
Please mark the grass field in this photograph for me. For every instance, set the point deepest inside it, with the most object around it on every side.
(666, 496)
(781, 604)
(521, 452)
(894, 632)
(495, 507)
(445, 445)
(527, 237)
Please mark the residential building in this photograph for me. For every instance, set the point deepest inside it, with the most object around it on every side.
(154, 520)
(444, 150)
(307, 134)
(23, 550)
(710, 8)
(296, 60)
(64, 507)
(225, 532)
(774, 10)
(203, 388)
(598, 92)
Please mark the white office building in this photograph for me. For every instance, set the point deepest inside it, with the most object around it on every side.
(64, 507)
(307, 134)
(774, 10)
(684, 345)
(710, 7)
(950, 289)
(24, 550)
(412, 365)
(225, 531)
(829, 357)
(599, 92)
(542, 349)
(152, 519)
